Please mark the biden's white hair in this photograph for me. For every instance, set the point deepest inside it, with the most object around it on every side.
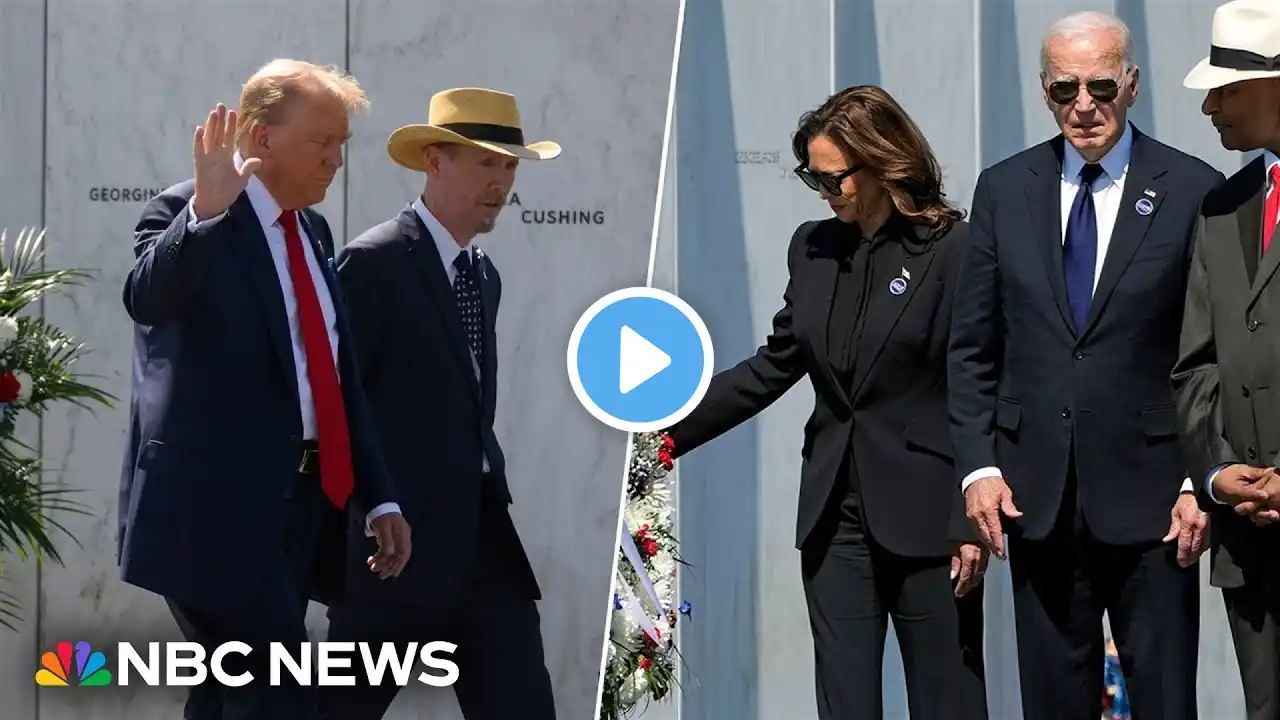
(1087, 23)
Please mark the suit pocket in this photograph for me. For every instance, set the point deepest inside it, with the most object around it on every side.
(930, 430)
(1159, 422)
(1008, 414)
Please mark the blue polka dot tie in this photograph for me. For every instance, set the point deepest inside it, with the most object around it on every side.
(467, 292)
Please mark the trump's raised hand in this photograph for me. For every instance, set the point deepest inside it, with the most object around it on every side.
(218, 181)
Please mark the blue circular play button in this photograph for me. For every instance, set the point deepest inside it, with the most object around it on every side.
(640, 359)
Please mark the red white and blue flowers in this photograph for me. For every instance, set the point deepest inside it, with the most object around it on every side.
(642, 655)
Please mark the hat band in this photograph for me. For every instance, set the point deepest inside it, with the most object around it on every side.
(487, 132)
(1235, 59)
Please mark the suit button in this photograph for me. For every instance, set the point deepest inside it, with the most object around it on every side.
(1079, 356)
(1251, 452)
(1244, 390)
(1066, 413)
(1253, 325)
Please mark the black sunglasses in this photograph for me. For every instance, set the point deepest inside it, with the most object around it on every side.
(1064, 92)
(824, 181)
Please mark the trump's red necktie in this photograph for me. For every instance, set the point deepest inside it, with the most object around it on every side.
(1272, 208)
(331, 414)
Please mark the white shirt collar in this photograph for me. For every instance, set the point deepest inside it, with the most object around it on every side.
(264, 205)
(445, 244)
(1115, 163)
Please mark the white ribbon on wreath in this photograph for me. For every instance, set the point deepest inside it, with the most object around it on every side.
(636, 610)
(633, 557)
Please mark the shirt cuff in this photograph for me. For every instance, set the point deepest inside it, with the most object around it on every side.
(980, 473)
(1208, 482)
(383, 509)
(192, 223)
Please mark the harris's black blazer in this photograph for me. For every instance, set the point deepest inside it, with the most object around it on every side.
(894, 410)
(1032, 393)
(433, 416)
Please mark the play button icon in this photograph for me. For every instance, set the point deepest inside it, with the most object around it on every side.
(640, 359)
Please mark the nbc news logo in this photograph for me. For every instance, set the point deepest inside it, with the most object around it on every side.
(77, 664)
(56, 668)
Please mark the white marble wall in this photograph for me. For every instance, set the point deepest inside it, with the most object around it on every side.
(967, 72)
(127, 81)
(22, 46)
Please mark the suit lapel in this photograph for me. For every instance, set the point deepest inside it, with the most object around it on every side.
(250, 246)
(1044, 198)
(1130, 227)
(318, 246)
(1249, 228)
(884, 308)
(1260, 266)
(823, 267)
(489, 302)
(423, 256)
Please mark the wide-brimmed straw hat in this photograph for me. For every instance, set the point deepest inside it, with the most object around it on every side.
(478, 117)
(1245, 45)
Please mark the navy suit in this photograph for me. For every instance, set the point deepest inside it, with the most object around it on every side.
(1081, 421)
(469, 581)
(214, 515)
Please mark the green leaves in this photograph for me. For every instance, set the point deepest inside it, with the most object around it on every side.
(36, 371)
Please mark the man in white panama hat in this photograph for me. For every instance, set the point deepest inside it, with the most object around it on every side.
(423, 303)
(1227, 377)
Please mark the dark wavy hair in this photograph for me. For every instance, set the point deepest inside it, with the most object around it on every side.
(872, 129)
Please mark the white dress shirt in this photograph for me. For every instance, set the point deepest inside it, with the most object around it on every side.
(449, 250)
(1269, 161)
(1107, 191)
(268, 212)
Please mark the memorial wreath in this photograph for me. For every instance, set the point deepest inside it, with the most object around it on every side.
(641, 658)
(35, 371)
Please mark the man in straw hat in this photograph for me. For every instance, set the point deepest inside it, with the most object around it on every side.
(424, 304)
(1227, 378)
(249, 433)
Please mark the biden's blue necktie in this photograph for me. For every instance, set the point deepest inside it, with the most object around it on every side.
(1080, 250)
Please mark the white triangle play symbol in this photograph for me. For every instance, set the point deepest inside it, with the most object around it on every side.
(638, 360)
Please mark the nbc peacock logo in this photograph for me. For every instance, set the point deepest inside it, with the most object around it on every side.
(90, 669)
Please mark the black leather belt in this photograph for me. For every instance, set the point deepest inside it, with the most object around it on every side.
(309, 463)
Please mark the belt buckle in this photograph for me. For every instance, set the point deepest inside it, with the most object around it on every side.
(304, 465)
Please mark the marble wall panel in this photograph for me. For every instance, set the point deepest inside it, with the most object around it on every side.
(748, 70)
(593, 75)
(22, 56)
(128, 82)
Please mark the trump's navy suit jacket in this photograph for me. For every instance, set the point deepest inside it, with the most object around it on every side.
(215, 428)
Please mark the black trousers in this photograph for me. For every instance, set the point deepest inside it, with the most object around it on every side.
(1253, 611)
(276, 613)
(853, 587)
(1061, 587)
(495, 624)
